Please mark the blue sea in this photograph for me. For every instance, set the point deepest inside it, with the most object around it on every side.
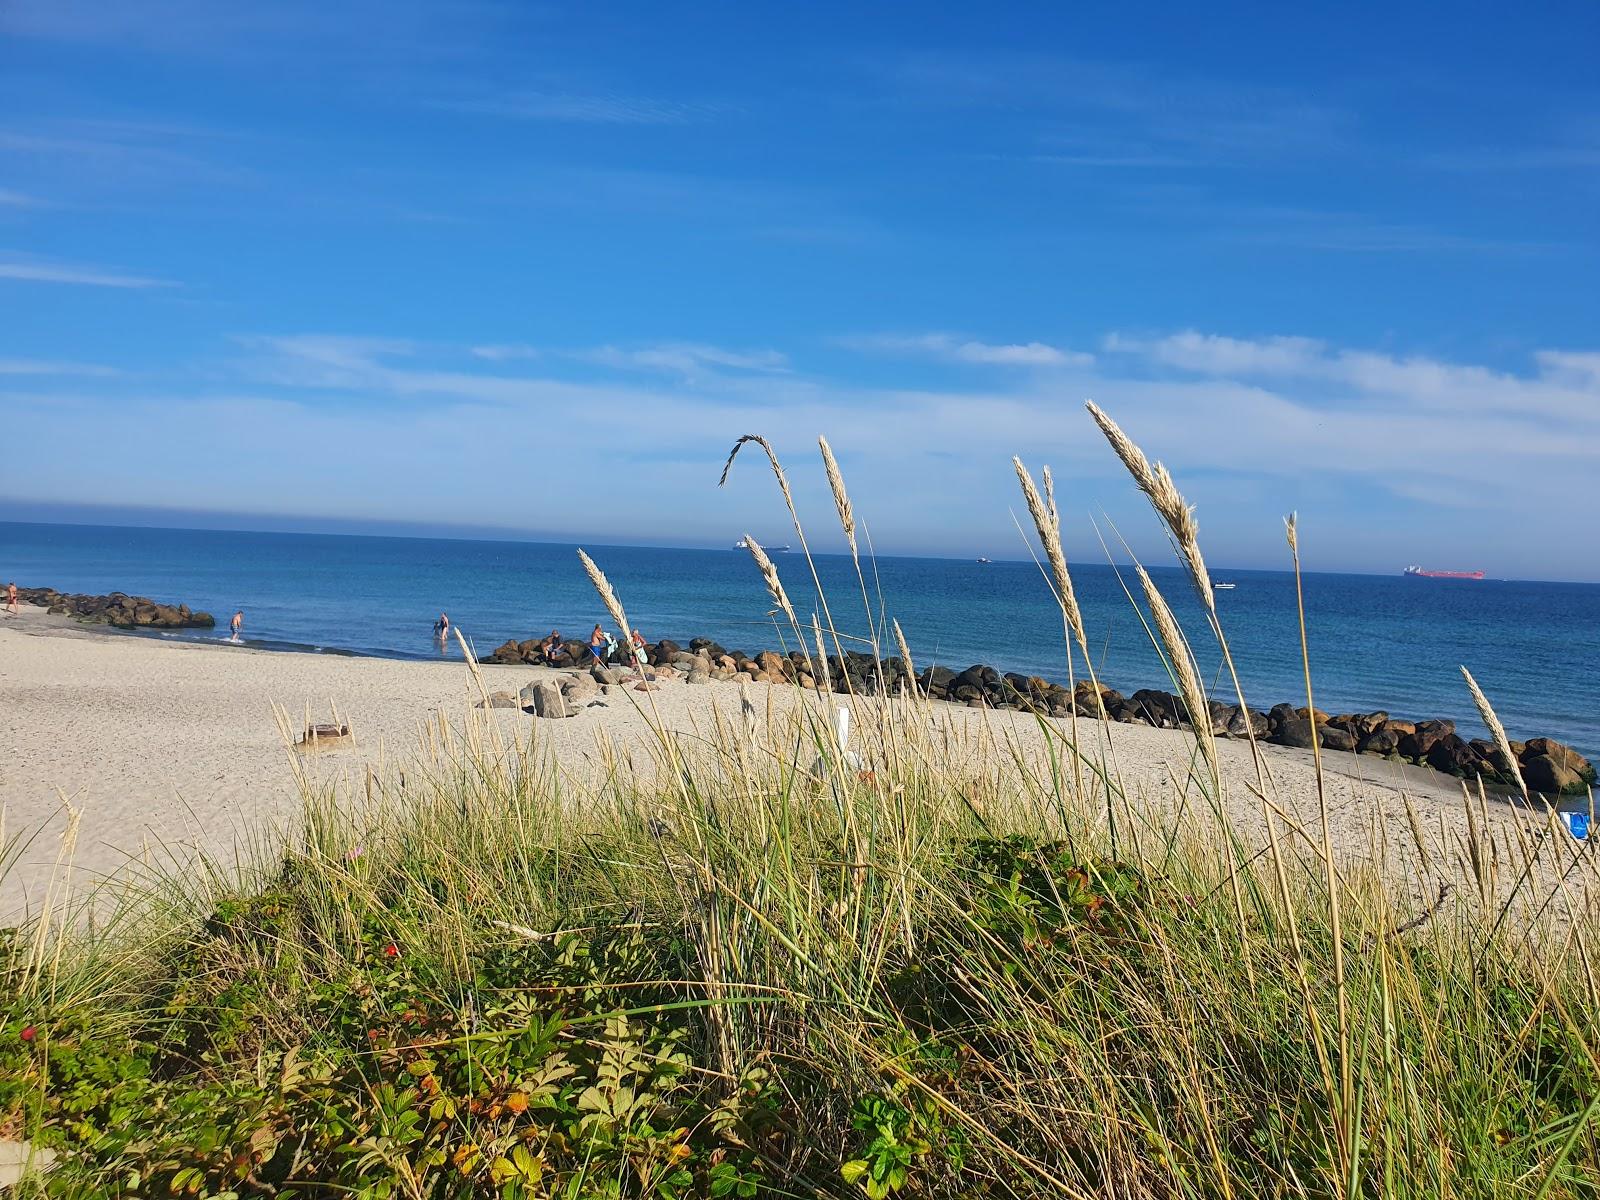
(1377, 641)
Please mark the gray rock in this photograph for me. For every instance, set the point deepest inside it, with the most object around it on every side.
(548, 701)
(699, 676)
(1298, 733)
(607, 675)
(501, 700)
(579, 689)
(1243, 724)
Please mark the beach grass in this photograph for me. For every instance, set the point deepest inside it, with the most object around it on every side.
(922, 960)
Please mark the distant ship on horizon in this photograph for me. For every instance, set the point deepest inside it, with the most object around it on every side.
(743, 544)
(1424, 574)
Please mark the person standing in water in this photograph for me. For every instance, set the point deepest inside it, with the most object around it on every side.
(235, 625)
(441, 627)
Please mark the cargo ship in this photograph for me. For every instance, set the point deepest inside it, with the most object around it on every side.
(1418, 571)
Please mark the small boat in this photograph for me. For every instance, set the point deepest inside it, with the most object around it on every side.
(986, 560)
(1224, 587)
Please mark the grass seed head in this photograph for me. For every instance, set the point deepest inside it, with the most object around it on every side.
(841, 498)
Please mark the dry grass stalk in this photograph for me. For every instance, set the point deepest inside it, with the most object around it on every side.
(841, 498)
(1156, 483)
(1050, 537)
(1183, 667)
(772, 457)
(769, 575)
(905, 650)
(608, 597)
(1496, 730)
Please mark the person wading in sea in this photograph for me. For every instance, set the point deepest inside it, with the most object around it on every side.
(235, 625)
(441, 627)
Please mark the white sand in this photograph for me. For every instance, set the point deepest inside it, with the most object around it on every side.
(162, 743)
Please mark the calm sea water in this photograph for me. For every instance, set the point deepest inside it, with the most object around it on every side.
(1376, 641)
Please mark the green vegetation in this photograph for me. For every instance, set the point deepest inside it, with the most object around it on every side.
(954, 968)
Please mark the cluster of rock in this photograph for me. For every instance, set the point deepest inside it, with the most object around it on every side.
(123, 611)
(1546, 765)
(563, 697)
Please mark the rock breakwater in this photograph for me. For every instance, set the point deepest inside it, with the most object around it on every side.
(118, 609)
(1547, 766)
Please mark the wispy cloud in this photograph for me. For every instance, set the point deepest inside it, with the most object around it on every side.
(10, 198)
(947, 347)
(43, 272)
(506, 352)
(686, 358)
(1125, 112)
(38, 366)
(1565, 385)
(596, 108)
(1213, 354)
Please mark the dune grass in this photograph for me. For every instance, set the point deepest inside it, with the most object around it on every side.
(754, 961)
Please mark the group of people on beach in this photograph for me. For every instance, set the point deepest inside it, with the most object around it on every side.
(601, 644)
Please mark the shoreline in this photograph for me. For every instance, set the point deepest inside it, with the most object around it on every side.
(164, 747)
(1553, 770)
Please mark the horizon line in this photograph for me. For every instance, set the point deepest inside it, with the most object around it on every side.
(469, 533)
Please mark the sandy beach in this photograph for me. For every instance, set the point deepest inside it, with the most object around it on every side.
(163, 745)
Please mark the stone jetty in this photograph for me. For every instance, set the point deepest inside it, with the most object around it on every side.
(118, 609)
(1547, 766)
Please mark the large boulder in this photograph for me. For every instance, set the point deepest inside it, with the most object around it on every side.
(1299, 732)
(1383, 742)
(1161, 709)
(508, 653)
(547, 699)
(1565, 756)
(1244, 723)
(1549, 776)
(579, 689)
(1417, 744)
(1454, 756)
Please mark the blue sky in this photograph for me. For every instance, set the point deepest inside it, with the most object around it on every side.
(532, 267)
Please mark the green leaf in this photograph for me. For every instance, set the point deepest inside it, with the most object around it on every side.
(853, 1170)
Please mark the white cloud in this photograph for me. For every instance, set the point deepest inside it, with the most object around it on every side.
(40, 272)
(1211, 354)
(10, 198)
(1371, 447)
(1580, 369)
(949, 348)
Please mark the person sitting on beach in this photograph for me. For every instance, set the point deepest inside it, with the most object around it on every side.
(11, 599)
(235, 625)
(597, 644)
(551, 648)
(441, 627)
